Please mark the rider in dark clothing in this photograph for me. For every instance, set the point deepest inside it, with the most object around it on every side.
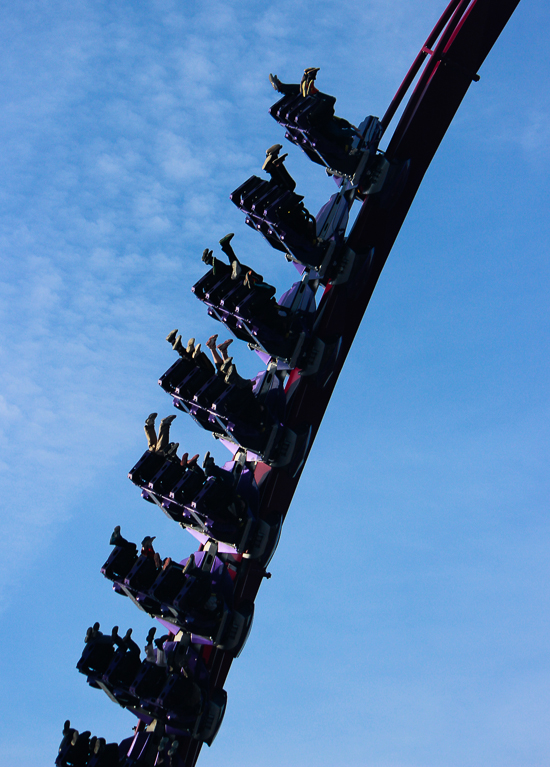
(274, 165)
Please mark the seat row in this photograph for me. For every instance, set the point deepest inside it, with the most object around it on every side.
(282, 329)
(311, 124)
(224, 506)
(196, 595)
(153, 744)
(170, 685)
(251, 416)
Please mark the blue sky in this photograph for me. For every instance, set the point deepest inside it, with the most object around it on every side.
(406, 623)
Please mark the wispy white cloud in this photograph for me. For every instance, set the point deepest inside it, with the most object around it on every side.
(535, 134)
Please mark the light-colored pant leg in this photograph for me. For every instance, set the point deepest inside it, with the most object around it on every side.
(151, 436)
(164, 436)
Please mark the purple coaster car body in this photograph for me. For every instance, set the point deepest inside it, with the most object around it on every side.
(202, 506)
(197, 599)
(282, 330)
(113, 677)
(282, 219)
(179, 697)
(327, 140)
(252, 418)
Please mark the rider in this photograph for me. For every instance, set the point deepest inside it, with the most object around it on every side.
(160, 444)
(305, 88)
(274, 165)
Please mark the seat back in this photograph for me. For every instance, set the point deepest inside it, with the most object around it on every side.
(146, 468)
(168, 584)
(209, 281)
(247, 190)
(176, 373)
(122, 669)
(187, 488)
(190, 385)
(164, 480)
(222, 287)
(183, 696)
(142, 575)
(120, 562)
(149, 681)
(272, 194)
(215, 499)
(96, 658)
(235, 295)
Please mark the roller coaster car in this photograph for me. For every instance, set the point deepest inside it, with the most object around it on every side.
(185, 484)
(181, 697)
(281, 217)
(248, 416)
(282, 330)
(228, 515)
(328, 140)
(197, 598)
(206, 604)
(161, 475)
(240, 529)
(172, 490)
